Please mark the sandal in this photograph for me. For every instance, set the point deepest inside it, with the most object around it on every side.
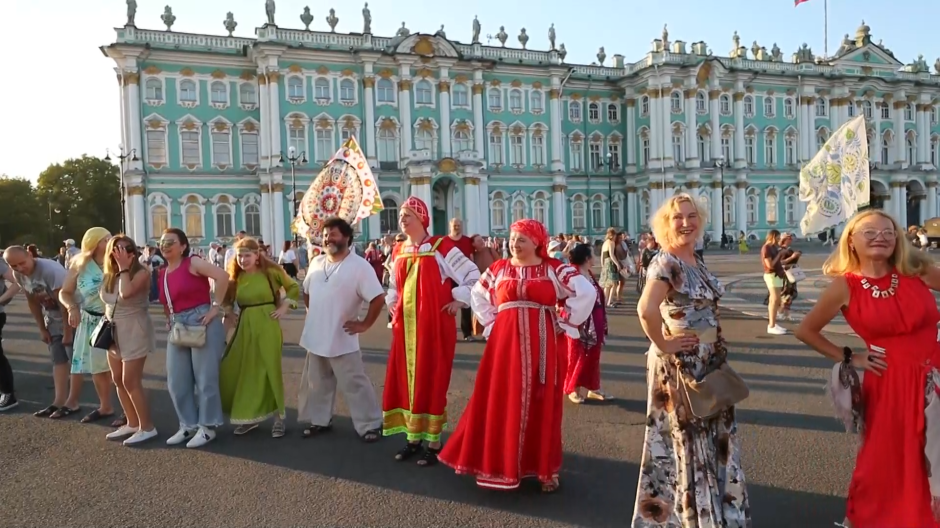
(63, 411)
(120, 422)
(408, 451)
(96, 415)
(313, 430)
(278, 430)
(598, 396)
(576, 398)
(245, 429)
(372, 435)
(46, 412)
(552, 486)
(430, 457)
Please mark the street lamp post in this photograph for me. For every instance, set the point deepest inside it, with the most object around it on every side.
(720, 165)
(51, 225)
(293, 158)
(122, 157)
(610, 192)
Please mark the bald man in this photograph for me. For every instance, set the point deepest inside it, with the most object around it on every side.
(465, 245)
(41, 280)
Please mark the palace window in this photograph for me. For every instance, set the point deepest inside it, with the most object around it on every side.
(597, 213)
(770, 151)
(724, 104)
(321, 89)
(538, 211)
(297, 139)
(253, 220)
(885, 148)
(223, 220)
(769, 106)
(347, 91)
(574, 111)
(726, 151)
(538, 150)
(703, 147)
(154, 90)
(701, 105)
(789, 205)
(614, 150)
(219, 94)
(576, 155)
(517, 150)
(515, 100)
(821, 137)
(615, 213)
(790, 148)
(459, 95)
(752, 206)
(850, 109)
(385, 91)
(594, 113)
(249, 149)
(295, 88)
(156, 147)
(822, 108)
(496, 147)
(644, 106)
(462, 140)
(188, 91)
(192, 216)
(324, 144)
(613, 113)
(909, 112)
(424, 93)
(247, 94)
(645, 147)
(495, 98)
(221, 147)
(728, 205)
(518, 210)
(749, 151)
(675, 102)
(388, 146)
(885, 111)
(866, 109)
(190, 142)
(911, 150)
(748, 106)
(771, 207)
(388, 219)
(933, 151)
(577, 214)
(424, 140)
(498, 211)
(594, 150)
(535, 102)
(677, 148)
(788, 108)
(159, 219)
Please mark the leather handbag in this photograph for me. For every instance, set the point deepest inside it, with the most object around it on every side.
(102, 336)
(720, 389)
(795, 274)
(192, 336)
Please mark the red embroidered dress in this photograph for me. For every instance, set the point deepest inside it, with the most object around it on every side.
(423, 335)
(511, 428)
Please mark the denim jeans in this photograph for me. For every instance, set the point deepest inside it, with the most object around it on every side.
(154, 293)
(193, 373)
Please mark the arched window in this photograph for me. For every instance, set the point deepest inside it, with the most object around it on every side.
(295, 88)
(594, 112)
(388, 219)
(613, 113)
(788, 108)
(724, 104)
(911, 149)
(219, 93)
(159, 219)
(675, 102)
(498, 211)
(753, 204)
(644, 105)
(866, 108)
(423, 93)
(789, 206)
(729, 206)
(385, 91)
(597, 214)
(909, 112)
(518, 210)
(188, 91)
(578, 220)
(247, 94)
(424, 140)
(701, 104)
(154, 90)
(885, 147)
(253, 220)
(515, 100)
(771, 207)
(821, 107)
(748, 106)
(223, 220)
(459, 95)
(574, 111)
(535, 101)
(347, 91)
(321, 89)
(769, 106)
(462, 140)
(495, 99)
(705, 205)
(645, 208)
(616, 213)
(388, 145)
(192, 215)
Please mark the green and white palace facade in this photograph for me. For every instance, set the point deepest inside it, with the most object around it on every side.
(494, 133)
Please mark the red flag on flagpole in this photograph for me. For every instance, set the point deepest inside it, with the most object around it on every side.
(798, 2)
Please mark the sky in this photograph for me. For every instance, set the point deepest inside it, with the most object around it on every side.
(59, 98)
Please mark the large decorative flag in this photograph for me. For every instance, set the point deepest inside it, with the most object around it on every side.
(798, 2)
(836, 183)
(345, 188)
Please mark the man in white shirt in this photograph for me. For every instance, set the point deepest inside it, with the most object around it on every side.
(336, 285)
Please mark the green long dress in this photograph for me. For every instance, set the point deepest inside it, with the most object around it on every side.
(250, 379)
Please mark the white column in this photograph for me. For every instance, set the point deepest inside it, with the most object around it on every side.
(479, 126)
(471, 205)
(443, 87)
(421, 188)
(718, 219)
(656, 199)
(691, 130)
(484, 205)
(267, 231)
(558, 209)
(274, 98)
(665, 116)
(714, 114)
(808, 130)
(374, 223)
(740, 209)
(740, 158)
(132, 109)
(368, 128)
(266, 122)
(630, 137)
(555, 130)
(656, 133)
(137, 223)
(632, 228)
(902, 205)
(932, 199)
(693, 186)
(900, 145)
(404, 114)
(923, 149)
(279, 230)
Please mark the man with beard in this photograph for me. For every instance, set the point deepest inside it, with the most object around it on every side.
(336, 285)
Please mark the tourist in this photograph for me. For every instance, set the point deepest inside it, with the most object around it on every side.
(343, 281)
(7, 293)
(70, 252)
(80, 294)
(610, 267)
(125, 289)
(483, 256)
(41, 280)
(771, 258)
(888, 390)
(517, 396)
(690, 474)
(583, 377)
(250, 377)
(422, 299)
(376, 259)
(287, 259)
(742, 243)
(465, 245)
(197, 339)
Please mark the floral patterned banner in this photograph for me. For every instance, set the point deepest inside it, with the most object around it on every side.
(837, 182)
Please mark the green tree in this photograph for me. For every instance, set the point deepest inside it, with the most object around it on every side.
(23, 218)
(79, 194)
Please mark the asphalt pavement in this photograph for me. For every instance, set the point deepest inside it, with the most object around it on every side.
(797, 457)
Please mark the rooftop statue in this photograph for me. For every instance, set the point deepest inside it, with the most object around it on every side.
(131, 12)
(551, 36)
(366, 19)
(269, 11)
(476, 30)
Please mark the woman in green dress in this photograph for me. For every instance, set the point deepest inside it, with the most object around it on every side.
(250, 379)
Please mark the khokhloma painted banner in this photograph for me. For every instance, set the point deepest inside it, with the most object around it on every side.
(837, 182)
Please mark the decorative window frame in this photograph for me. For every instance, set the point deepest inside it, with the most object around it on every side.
(727, 132)
(427, 124)
(578, 138)
(294, 100)
(678, 132)
(396, 130)
(704, 133)
(179, 93)
(600, 112)
(821, 107)
(297, 121)
(220, 125)
(616, 139)
(321, 101)
(772, 195)
(395, 95)
(497, 128)
(155, 102)
(644, 209)
(348, 122)
(249, 200)
(158, 199)
(705, 203)
(434, 95)
(750, 132)
(730, 208)
(355, 91)
(772, 134)
(228, 94)
(703, 97)
(910, 143)
(248, 107)
(518, 197)
(248, 126)
(501, 198)
(750, 193)
(321, 121)
(886, 141)
(618, 112)
(748, 101)
(463, 125)
(725, 106)
(469, 91)
(538, 129)
(200, 202)
(934, 153)
(674, 96)
(790, 134)
(494, 109)
(533, 92)
(645, 146)
(791, 103)
(772, 106)
(619, 200)
(822, 135)
(791, 194)
(156, 122)
(574, 199)
(598, 201)
(577, 104)
(232, 203)
(644, 106)
(544, 199)
(189, 123)
(522, 101)
(517, 130)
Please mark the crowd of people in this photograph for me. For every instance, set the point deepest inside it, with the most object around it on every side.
(542, 312)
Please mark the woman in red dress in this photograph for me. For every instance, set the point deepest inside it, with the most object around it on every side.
(511, 428)
(888, 391)
(584, 352)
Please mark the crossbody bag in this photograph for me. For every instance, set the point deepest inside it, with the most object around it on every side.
(192, 336)
(103, 335)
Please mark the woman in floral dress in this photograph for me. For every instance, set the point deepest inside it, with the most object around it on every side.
(691, 475)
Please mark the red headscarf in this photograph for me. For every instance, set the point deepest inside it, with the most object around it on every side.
(534, 231)
(419, 209)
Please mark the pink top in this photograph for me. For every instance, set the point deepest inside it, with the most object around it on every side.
(187, 291)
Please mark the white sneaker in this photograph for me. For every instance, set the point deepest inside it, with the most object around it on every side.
(141, 436)
(181, 436)
(203, 436)
(776, 330)
(121, 432)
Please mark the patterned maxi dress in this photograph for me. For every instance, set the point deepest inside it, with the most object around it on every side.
(85, 358)
(691, 475)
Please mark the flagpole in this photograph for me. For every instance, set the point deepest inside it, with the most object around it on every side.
(826, 29)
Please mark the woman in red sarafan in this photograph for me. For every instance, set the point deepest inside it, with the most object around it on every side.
(584, 352)
(887, 392)
(511, 428)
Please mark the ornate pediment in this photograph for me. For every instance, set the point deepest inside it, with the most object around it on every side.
(426, 46)
(870, 55)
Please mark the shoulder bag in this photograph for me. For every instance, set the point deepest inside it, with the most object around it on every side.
(192, 336)
(795, 274)
(103, 335)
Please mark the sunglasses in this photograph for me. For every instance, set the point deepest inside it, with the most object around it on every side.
(168, 242)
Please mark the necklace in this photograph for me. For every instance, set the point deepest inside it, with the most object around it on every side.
(877, 293)
(331, 268)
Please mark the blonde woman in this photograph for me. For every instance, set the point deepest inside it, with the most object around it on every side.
(679, 313)
(250, 378)
(610, 267)
(126, 291)
(79, 294)
(888, 390)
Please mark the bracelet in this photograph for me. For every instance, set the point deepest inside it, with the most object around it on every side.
(847, 355)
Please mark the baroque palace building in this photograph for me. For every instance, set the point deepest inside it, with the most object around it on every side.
(491, 134)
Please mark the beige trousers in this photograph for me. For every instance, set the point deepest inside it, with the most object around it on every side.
(318, 384)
